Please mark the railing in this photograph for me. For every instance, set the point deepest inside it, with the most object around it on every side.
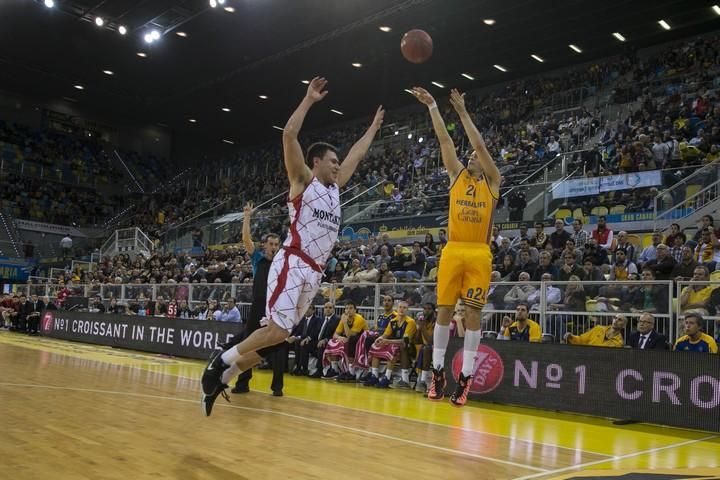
(596, 304)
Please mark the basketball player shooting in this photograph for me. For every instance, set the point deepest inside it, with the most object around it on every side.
(296, 271)
(466, 261)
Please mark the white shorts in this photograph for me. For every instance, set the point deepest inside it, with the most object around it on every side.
(292, 285)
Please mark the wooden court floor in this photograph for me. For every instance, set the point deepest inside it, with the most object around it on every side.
(75, 411)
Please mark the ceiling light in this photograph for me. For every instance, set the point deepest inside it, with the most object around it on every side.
(181, 34)
(501, 68)
(122, 29)
(230, 9)
(192, 120)
(49, 3)
(225, 109)
(575, 48)
(619, 36)
(141, 54)
(306, 82)
(409, 136)
(537, 57)
(79, 87)
(357, 65)
(108, 72)
(277, 128)
(397, 132)
(420, 140)
(263, 97)
(337, 112)
(716, 9)
(228, 141)
(468, 76)
(148, 38)
(385, 29)
(155, 35)
(664, 24)
(409, 91)
(213, 3)
(221, 2)
(438, 84)
(489, 21)
(99, 21)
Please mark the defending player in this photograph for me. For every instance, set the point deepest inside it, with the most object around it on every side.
(296, 271)
(466, 261)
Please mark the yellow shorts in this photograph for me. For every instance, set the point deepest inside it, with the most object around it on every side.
(464, 272)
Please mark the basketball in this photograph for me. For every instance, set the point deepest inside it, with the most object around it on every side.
(416, 46)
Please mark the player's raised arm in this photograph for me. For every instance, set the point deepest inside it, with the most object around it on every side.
(490, 170)
(246, 235)
(298, 171)
(447, 147)
(358, 151)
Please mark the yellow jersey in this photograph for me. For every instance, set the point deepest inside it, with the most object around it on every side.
(472, 203)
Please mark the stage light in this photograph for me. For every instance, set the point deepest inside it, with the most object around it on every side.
(575, 48)
(99, 21)
(155, 35)
(468, 76)
(141, 54)
(489, 21)
(438, 84)
(49, 3)
(537, 58)
(213, 3)
(385, 29)
(122, 30)
(108, 72)
(79, 87)
(501, 68)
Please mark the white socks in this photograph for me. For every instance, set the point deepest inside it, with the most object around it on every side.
(376, 371)
(426, 377)
(229, 373)
(472, 340)
(441, 336)
(231, 356)
(335, 366)
(388, 374)
(405, 373)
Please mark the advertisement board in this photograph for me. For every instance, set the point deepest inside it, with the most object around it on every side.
(169, 336)
(654, 386)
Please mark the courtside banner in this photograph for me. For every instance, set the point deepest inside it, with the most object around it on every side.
(171, 336)
(662, 387)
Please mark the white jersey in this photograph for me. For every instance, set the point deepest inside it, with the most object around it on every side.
(315, 217)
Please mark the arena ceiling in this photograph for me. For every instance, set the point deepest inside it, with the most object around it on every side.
(267, 47)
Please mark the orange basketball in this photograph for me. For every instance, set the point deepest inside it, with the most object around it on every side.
(416, 46)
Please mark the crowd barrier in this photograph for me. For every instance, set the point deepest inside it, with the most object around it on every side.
(603, 300)
(666, 388)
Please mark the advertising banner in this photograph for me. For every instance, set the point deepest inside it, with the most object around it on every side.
(15, 269)
(48, 228)
(582, 187)
(170, 336)
(662, 387)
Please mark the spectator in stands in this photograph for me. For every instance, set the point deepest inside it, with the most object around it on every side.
(523, 235)
(496, 237)
(385, 275)
(340, 351)
(204, 312)
(553, 147)
(622, 242)
(399, 258)
(429, 248)
(601, 335)
(442, 237)
(570, 268)
(413, 268)
(115, 308)
(552, 294)
(160, 308)
(369, 275)
(496, 293)
(539, 238)
(646, 297)
(707, 222)
(570, 248)
(520, 292)
(646, 337)
(66, 244)
(353, 269)
(392, 346)
(423, 341)
(663, 264)
(694, 339)
(597, 254)
(230, 312)
(505, 250)
(650, 252)
(676, 248)
(184, 310)
(560, 237)
(330, 321)
(695, 298)
(573, 300)
(675, 232)
(522, 328)
(457, 324)
(622, 266)
(579, 236)
(708, 250)
(603, 235)
(304, 339)
(526, 247)
(506, 268)
(546, 266)
(383, 256)
(684, 270)
(523, 264)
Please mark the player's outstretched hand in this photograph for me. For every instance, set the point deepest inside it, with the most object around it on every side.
(248, 209)
(379, 117)
(316, 90)
(422, 95)
(457, 100)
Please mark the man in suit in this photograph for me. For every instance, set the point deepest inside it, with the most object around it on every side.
(328, 326)
(646, 337)
(33, 309)
(304, 340)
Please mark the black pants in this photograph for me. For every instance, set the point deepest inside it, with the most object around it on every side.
(302, 355)
(277, 355)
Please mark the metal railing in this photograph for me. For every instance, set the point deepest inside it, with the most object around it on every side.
(597, 303)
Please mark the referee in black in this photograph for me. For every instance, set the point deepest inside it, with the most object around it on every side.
(261, 261)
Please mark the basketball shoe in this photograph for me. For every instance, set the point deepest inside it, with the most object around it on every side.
(436, 391)
(459, 397)
(212, 384)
